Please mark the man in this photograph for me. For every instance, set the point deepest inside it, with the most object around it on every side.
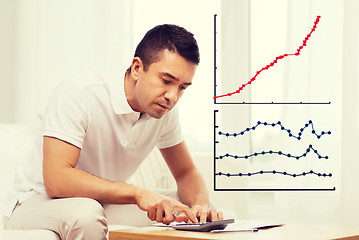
(97, 130)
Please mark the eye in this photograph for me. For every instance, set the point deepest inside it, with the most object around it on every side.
(166, 81)
(182, 87)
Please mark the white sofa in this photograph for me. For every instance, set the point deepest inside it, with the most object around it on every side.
(16, 142)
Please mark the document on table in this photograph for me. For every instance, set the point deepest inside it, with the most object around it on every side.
(243, 226)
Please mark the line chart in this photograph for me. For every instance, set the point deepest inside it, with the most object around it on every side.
(282, 128)
(310, 148)
(311, 172)
(271, 64)
(238, 168)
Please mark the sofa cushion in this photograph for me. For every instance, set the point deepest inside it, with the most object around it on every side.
(16, 142)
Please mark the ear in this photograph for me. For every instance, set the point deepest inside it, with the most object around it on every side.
(136, 68)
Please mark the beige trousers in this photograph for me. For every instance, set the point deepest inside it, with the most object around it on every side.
(76, 218)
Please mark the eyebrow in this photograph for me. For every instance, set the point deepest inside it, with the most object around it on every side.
(174, 78)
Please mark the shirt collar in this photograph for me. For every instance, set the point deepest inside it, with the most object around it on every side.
(117, 93)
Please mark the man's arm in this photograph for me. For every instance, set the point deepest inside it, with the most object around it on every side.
(190, 184)
(62, 179)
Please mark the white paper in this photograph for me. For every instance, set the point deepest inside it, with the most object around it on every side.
(242, 226)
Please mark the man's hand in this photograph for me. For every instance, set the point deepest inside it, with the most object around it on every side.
(160, 208)
(203, 214)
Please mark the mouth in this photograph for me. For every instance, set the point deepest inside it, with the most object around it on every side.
(164, 107)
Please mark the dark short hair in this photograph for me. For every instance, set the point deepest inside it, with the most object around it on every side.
(167, 36)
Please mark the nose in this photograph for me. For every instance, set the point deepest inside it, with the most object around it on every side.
(171, 94)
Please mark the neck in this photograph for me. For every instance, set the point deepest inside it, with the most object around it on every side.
(130, 91)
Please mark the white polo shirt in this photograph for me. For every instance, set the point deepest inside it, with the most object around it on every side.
(91, 112)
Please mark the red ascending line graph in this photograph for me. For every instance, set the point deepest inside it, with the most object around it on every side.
(297, 53)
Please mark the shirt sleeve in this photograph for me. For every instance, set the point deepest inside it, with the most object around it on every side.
(66, 116)
(171, 133)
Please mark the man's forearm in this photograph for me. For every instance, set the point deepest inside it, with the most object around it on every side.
(192, 189)
(73, 182)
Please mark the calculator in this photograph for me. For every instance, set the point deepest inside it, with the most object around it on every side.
(204, 227)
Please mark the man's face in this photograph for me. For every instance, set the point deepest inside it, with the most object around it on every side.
(158, 89)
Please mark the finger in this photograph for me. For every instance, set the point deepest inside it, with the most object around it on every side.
(168, 216)
(220, 215)
(159, 214)
(151, 214)
(187, 211)
(182, 218)
(203, 214)
(213, 215)
(196, 209)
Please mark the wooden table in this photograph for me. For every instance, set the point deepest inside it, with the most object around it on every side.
(288, 231)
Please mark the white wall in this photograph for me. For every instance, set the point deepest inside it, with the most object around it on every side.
(350, 125)
(7, 50)
(45, 41)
